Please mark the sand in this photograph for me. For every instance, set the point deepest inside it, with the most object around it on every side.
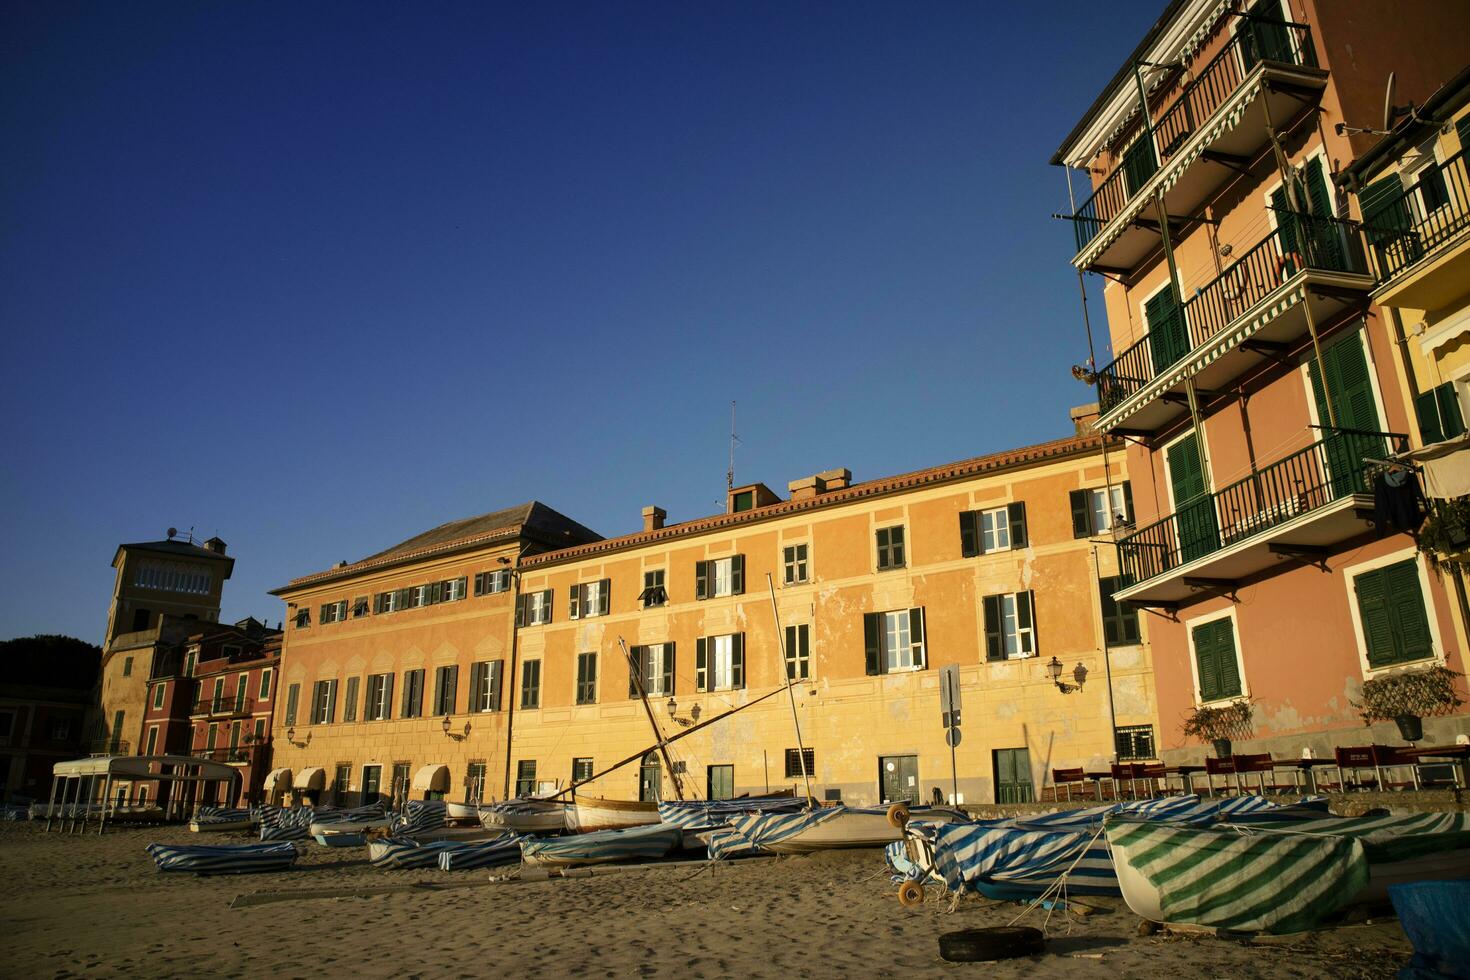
(75, 905)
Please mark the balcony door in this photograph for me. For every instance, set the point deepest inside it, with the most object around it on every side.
(1168, 336)
(1350, 383)
(1194, 508)
(1318, 243)
(1267, 39)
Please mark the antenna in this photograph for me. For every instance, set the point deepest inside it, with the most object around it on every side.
(1389, 91)
(730, 473)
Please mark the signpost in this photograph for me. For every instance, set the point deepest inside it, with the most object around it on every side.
(949, 713)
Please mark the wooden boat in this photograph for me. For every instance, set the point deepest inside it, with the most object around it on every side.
(476, 833)
(345, 838)
(827, 828)
(328, 826)
(466, 812)
(601, 847)
(528, 816)
(590, 814)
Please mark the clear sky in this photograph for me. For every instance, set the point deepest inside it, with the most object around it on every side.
(316, 277)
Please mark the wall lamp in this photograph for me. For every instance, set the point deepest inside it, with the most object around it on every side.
(1079, 676)
(458, 737)
(291, 737)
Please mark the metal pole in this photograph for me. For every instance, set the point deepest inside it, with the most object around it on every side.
(510, 685)
(954, 772)
(106, 801)
(663, 750)
(52, 808)
(796, 722)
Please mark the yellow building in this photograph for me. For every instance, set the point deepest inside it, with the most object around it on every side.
(997, 565)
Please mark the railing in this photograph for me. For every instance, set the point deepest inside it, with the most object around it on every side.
(1430, 214)
(1257, 39)
(1300, 241)
(1311, 478)
(108, 746)
(223, 706)
(239, 753)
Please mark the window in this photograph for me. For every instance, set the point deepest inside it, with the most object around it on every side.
(793, 561)
(742, 501)
(189, 661)
(798, 653)
(800, 762)
(265, 684)
(293, 695)
(446, 681)
(525, 776)
(489, 583)
(158, 692)
(890, 547)
(654, 593)
(531, 685)
(128, 667)
(1100, 509)
(719, 577)
(485, 685)
(341, 780)
(1010, 626)
(474, 782)
(379, 705)
(588, 599)
(60, 729)
(894, 641)
(1439, 414)
(387, 602)
(242, 691)
(117, 730)
(211, 737)
(303, 618)
(349, 709)
(586, 678)
(334, 612)
(721, 783)
(719, 662)
(534, 608)
(1214, 657)
(453, 590)
(413, 693)
(1120, 622)
(152, 740)
(1391, 611)
(654, 666)
(372, 777)
(359, 607)
(581, 770)
(1134, 742)
(260, 731)
(402, 774)
(324, 703)
(420, 596)
(217, 702)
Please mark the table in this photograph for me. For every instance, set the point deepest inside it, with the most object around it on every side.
(1186, 773)
(1304, 770)
(1458, 754)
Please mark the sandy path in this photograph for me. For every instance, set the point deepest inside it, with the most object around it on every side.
(95, 906)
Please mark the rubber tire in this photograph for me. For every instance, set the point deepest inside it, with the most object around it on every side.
(910, 894)
(898, 815)
(991, 943)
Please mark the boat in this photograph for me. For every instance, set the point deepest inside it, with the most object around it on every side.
(825, 828)
(501, 849)
(590, 814)
(338, 824)
(208, 859)
(461, 812)
(345, 838)
(696, 819)
(1280, 878)
(600, 847)
(400, 853)
(211, 818)
(525, 816)
(476, 833)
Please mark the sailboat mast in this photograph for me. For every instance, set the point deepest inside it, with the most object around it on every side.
(637, 675)
(795, 721)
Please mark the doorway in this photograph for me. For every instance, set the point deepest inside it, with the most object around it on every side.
(898, 778)
(1013, 776)
(650, 779)
(372, 781)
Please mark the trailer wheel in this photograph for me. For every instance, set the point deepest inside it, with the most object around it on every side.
(991, 943)
(898, 815)
(910, 894)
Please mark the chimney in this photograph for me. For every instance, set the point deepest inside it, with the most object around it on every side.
(1083, 416)
(839, 479)
(823, 482)
(653, 518)
(215, 545)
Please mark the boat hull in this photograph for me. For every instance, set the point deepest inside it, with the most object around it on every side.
(851, 829)
(346, 839)
(591, 814)
(550, 819)
(601, 847)
(211, 826)
(347, 826)
(462, 811)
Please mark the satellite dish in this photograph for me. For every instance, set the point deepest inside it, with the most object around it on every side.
(1389, 111)
(173, 533)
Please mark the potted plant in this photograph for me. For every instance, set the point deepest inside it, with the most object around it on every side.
(1407, 697)
(1219, 724)
(1445, 534)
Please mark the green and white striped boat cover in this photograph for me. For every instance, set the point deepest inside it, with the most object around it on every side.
(1249, 882)
(1386, 838)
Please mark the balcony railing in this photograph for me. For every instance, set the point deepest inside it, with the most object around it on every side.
(1258, 39)
(1300, 241)
(239, 753)
(1328, 470)
(224, 706)
(1429, 215)
(109, 746)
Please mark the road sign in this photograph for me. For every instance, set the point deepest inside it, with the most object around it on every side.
(952, 736)
(949, 695)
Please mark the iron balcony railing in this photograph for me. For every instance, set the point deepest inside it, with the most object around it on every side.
(1255, 40)
(224, 706)
(1430, 214)
(109, 746)
(1300, 241)
(238, 753)
(1311, 478)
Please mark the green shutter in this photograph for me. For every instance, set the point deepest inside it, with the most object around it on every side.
(737, 575)
(1169, 339)
(701, 663)
(969, 534)
(737, 661)
(995, 648)
(1016, 513)
(1426, 407)
(1081, 513)
(668, 669)
(1194, 508)
(701, 581)
(1451, 423)
(1376, 620)
(1406, 604)
(1385, 208)
(872, 648)
(1214, 651)
(1139, 163)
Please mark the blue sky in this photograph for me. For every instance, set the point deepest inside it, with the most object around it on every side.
(317, 277)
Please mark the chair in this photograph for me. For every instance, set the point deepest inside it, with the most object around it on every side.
(1064, 779)
(1354, 759)
(1219, 767)
(1154, 776)
(1387, 758)
(1123, 773)
(1260, 765)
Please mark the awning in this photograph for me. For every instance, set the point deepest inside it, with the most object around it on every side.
(313, 778)
(432, 779)
(172, 767)
(1446, 467)
(277, 779)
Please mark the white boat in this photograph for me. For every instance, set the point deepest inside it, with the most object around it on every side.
(828, 828)
(347, 826)
(525, 816)
(468, 812)
(590, 814)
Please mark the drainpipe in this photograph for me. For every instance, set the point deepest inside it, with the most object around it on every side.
(507, 684)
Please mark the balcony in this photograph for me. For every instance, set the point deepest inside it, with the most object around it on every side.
(1215, 125)
(1254, 310)
(1295, 509)
(222, 708)
(1419, 242)
(239, 754)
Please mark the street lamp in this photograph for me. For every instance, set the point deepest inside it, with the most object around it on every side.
(1079, 676)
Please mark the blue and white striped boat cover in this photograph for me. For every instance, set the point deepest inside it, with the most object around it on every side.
(504, 849)
(649, 841)
(762, 829)
(727, 843)
(285, 825)
(222, 858)
(220, 814)
(896, 855)
(419, 816)
(708, 814)
(403, 852)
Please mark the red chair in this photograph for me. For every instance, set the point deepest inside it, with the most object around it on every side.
(1355, 759)
(1387, 758)
(1154, 777)
(1123, 774)
(1219, 767)
(1065, 779)
(1259, 764)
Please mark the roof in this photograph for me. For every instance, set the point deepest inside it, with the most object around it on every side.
(1446, 100)
(978, 466)
(134, 766)
(533, 521)
(183, 549)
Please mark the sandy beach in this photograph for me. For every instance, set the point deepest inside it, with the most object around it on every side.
(89, 905)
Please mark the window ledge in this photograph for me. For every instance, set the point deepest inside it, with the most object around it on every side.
(1437, 659)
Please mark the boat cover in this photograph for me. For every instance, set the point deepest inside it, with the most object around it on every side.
(223, 858)
(647, 841)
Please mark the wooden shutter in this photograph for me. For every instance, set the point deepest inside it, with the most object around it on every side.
(737, 661)
(387, 696)
(701, 663)
(1081, 513)
(497, 671)
(546, 598)
(604, 597)
(451, 692)
(872, 644)
(995, 643)
(1451, 422)
(574, 602)
(521, 610)
(637, 668)
(349, 709)
(1385, 211)
(332, 702)
(916, 637)
(1206, 662)
(1406, 604)
(701, 582)
(1016, 512)
(668, 677)
(1128, 501)
(1426, 407)
(407, 709)
(477, 683)
(969, 534)
(1026, 618)
(1169, 339)
(737, 575)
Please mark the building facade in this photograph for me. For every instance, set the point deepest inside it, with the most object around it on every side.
(45, 699)
(1252, 366)
(500, 674)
